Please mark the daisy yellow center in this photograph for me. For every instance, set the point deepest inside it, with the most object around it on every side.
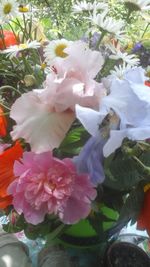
(23, 9)
(7, 8)
(43, 66)
(23, 46)
(59, 50)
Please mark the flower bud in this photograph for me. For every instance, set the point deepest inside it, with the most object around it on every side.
(29, 80)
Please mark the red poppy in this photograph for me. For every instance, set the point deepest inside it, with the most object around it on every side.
(7, 159)
(3, 123)
(143, 222)
(147, 83)
(7, 38)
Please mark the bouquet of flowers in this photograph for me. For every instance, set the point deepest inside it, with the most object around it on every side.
(74, 124)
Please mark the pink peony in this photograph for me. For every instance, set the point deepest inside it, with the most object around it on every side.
(46, 185)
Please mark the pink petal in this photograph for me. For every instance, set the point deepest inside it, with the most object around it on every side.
(40, 127)
(74, 211)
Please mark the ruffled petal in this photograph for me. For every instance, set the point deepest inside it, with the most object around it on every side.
(42, 128)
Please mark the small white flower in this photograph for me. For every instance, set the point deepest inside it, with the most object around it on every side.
(117, 54)
(55, 49)
(13, 50)
(8, 9)
(119, 71)
(88, 6)
(137, 5)
(107, 24)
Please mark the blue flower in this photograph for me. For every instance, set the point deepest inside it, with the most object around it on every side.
(137, 47)
(90, 159)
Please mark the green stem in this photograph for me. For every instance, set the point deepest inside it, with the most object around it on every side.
(128, 16)
(9, 87)
(4, 113)
(25, 26)
(23, 30)
(2, 33)
(2, 104)
(143, 167)
(27, 65)
(13, 31)
(103, 33)
(145, 30)
(30, 29)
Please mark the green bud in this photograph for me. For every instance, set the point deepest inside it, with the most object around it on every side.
(29, 80)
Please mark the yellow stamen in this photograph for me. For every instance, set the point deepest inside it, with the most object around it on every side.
(43, 66)
(23, 46)
(7, 8)
(23, 9)
(59, 50)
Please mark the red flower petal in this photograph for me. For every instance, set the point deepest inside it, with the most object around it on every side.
(147, 83)
(3, 124)
(7, 38)
(7, 159)
(143, 222)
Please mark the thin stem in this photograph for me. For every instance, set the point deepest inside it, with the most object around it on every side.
(143, 167)
(4, 113)
(128, 16)
(13, 32)
(30, 28)
(22, 29)
(27, 65)
(2, 104)
(103, 33)
(145, 30)
(25, 27)
(2, 33)
(9, 87)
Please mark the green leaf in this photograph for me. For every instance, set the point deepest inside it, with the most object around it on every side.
(55, 233)
(122, 174)
(113, 198)
(73, 142)
(145, 158)
(133, 204)
(39, 230)
(16, 227)
(109, 213)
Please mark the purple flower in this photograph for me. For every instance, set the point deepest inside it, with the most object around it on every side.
(137, 47)
(90, 159)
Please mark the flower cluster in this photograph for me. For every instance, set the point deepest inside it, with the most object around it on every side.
(74, 121)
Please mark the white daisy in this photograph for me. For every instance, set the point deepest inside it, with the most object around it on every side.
(131, 60)
(55, 49)
(13, 50)
(87, 6)
(8, 9)
(107, 24)
(119, 71)
(137, 5)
